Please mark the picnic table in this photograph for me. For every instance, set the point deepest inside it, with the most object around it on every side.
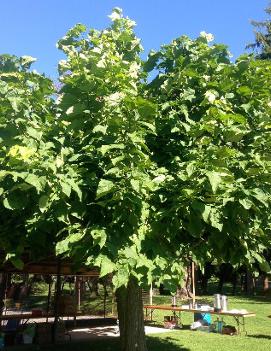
(237, 316)
(25, 316)
(18, 321)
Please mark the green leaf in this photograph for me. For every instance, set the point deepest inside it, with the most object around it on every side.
(238, 118)
(149, 126)
(244, 90)
(16, 103)
(66, 188)
(105, 148)
(195, 226)
(190, 169)
(99, 237)
(75, 187)
(146, 108)
(104, 187)
(215, 219)
(265, 266)
(121, 277)
(14, 201)
(247, 204)
(214, 179)
(116, 160)
(106, 266)
(34, 133)
(203, 209)
(17, 262)
(65, 245)
(36, 181)
(43, 202)
(7, 204)
(260, 195)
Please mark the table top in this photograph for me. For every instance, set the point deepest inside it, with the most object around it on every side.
(193, 310)
(29, 315)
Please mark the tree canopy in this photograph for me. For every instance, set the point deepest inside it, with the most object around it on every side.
(131, 174)
(213, 141)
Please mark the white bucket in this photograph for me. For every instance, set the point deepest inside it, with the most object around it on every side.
(224, 303)
(217, 302)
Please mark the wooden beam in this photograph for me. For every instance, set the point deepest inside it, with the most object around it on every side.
(51, 269)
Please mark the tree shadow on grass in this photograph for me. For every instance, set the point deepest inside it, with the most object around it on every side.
(108, 344)
(166, 344)
(260, 336)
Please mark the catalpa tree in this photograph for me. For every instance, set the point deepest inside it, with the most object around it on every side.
(213, 140)
(106, 119)
(33, 175)
(26, 113)
(144, 174)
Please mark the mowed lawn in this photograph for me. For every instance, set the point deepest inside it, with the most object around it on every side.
(258, 328)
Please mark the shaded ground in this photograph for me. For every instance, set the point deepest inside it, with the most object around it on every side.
(258, 328)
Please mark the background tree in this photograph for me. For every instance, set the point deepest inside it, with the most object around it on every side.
(213, 141)
(32, 173)
(26, 110)
(262, 45)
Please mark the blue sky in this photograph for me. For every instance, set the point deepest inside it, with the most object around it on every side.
(32, 27)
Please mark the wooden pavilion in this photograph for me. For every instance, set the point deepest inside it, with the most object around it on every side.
(50, 266)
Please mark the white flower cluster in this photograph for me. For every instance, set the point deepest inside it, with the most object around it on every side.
(116, 14)
(101, 64)
(134, 70)
(114, 99)
(208, 36)
(211, 96)
(159, 179)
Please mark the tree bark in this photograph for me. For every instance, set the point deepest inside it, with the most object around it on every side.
(185, 292)
(265, 283)
(3, 286)
(131, 318)
(250, 283)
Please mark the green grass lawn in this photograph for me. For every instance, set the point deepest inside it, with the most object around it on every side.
(258, 328)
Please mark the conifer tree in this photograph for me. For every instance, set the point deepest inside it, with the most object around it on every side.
(262, 45)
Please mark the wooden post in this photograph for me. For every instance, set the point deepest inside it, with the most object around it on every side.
(48, 301)
(104, 300)
(78, 292)
(57, 297)
(193, 284)
(151, 294)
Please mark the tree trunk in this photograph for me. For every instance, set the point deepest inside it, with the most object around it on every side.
(131, 318)
(250, 283)
(3, 286)
(265, 283)
(185, 291)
